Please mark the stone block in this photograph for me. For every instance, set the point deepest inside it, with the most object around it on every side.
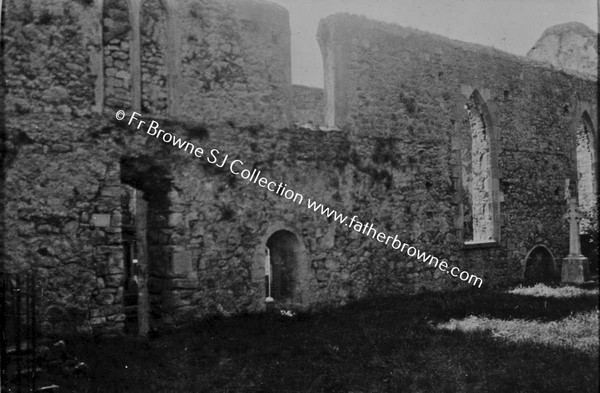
(575, 269)
(175, 220)
(116, 318)
(122, 74)
(184, 283)
(113, 280)
(331, 265)
(98, 321)
(105, 297)
(181, 262)
(101, 220)
(111, 191)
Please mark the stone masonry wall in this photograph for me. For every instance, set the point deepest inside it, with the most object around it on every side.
(47, 64)
(63, 215)
(154, 48)
(66, 167)
(235, 61)
(116, 38)
(396, 163)
(308, 105)
(402, 84)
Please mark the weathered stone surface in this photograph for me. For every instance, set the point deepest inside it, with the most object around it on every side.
(398, 161)
(181, 262)
(570, 46)
(575, 270)
(101, 220)
(307, 105)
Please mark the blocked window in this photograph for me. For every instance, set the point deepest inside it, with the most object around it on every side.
(116, 37)
(153, 37)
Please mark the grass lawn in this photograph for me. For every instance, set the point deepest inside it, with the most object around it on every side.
(469, 341)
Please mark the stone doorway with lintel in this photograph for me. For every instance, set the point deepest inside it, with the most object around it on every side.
(144, 187)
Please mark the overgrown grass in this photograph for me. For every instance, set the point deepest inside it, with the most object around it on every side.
(376, 345)
(579, 331)
(541, 290)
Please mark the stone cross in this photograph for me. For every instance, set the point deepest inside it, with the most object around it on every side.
(573, 215)
(575, 267)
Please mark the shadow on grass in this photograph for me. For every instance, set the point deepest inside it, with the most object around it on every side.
(443, 306)
(375, 345)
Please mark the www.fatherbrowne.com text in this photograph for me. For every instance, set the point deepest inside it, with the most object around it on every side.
(236, 167)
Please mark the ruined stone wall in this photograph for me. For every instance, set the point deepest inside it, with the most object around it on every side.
(220, 220)
(228, 61)
(414, 87)
(308, 105)
(65, 214)
(397, 163)
(66, 167)
(63, 217)
(47, 56)
(235, 62)
(206, 226)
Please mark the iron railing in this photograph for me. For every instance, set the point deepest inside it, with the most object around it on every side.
(18, 329)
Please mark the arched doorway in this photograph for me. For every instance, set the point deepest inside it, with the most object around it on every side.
(539, 266)
(282, 266)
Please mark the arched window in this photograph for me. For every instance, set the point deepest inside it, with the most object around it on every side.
(481, 206)
(587, 190)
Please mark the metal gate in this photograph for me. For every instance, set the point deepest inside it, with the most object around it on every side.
(18, 324)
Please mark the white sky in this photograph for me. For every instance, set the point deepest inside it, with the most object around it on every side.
(509, 25)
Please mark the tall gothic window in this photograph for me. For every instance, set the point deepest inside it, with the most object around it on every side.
(586, 171)
(481, 206)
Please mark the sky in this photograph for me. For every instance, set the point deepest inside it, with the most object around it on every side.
(509, 25)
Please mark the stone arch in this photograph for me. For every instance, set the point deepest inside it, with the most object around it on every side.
(480, 175)
(539, 266)
(154, 32)
(284, 250)
(587, 169)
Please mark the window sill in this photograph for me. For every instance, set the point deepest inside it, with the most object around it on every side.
(470, 244)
